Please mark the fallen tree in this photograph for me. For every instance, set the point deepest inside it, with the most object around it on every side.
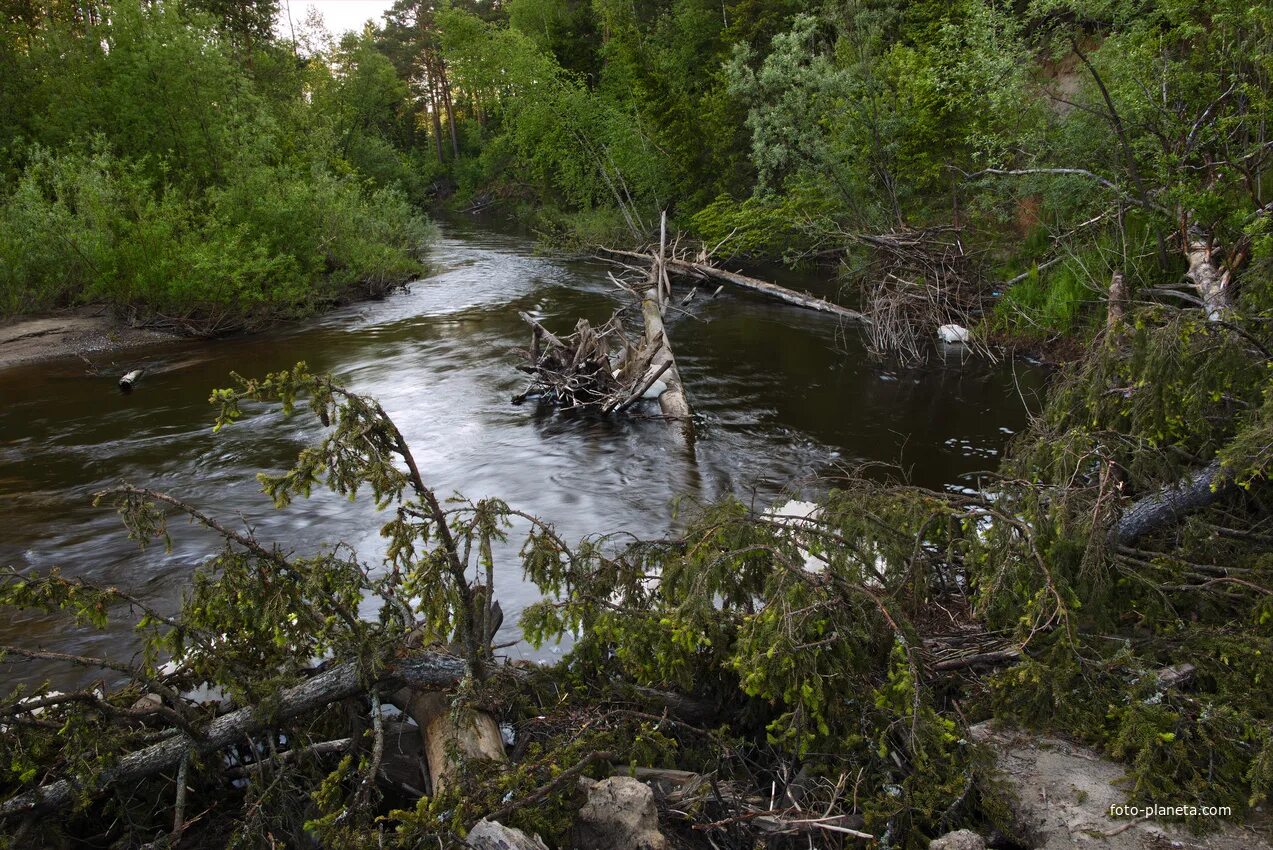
(772, 290)
(654, 303)
(424, 670)
(773, 681)
(1170, 505)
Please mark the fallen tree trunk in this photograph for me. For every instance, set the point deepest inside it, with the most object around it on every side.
(421, 670)
(672, 401)
(1169, 505)
(1209, 277)
(764, 287)
(654, 301)
(451, 737)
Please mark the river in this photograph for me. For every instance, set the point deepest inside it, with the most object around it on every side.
(782, 395)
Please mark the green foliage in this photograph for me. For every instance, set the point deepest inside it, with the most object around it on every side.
(821, 663)
(150, 170)
(269, 238)
(788, 225)
(1048, 302)
(1157, 397)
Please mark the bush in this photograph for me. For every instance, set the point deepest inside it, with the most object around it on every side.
(81, 228)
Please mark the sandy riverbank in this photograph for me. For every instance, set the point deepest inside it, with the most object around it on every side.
(78, 331)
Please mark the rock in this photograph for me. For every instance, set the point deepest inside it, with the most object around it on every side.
(1064, 794)
(953, 333)
(619, 815)
(961, 839)
(492, 835)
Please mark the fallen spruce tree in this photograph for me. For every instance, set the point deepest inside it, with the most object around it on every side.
(755, 679)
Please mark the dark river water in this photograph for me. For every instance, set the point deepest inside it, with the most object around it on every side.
(782, 396)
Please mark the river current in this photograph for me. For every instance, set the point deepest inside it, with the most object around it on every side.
(782, 396)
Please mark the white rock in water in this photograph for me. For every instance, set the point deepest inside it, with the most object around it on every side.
(656, 389)
(954, 333)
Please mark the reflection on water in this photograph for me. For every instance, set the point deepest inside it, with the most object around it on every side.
(782, 394)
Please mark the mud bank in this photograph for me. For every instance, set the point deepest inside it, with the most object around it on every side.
(78, 331)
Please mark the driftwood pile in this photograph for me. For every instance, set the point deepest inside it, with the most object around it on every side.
(574, 371)
(604, 370)
(917, 280)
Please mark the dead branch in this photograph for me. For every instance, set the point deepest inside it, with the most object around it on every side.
(703, 270)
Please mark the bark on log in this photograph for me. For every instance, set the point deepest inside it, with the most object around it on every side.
(764, 287)
(1168, 506)
(421, 670)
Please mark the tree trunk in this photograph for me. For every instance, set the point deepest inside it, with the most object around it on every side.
(1169, 505)
(672, 402)
(1211, 281)
(431, 91)
(450, 737)
(422, 670)
(653, 303)
(772, 290)
(1118, 300)
(450, 108)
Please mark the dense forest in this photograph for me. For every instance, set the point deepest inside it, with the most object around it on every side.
(1086, 180)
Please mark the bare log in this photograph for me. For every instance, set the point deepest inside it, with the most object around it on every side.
(322, 748)
(644, 387)
(1118, 300)
(540, 330)
(672, 402)
(756, 285)
(1209, 278)
(450, 737)
(991, 659)
(1169, 505)
(127, 382)
(421, 670)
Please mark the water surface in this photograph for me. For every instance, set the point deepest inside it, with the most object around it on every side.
(782, 395)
